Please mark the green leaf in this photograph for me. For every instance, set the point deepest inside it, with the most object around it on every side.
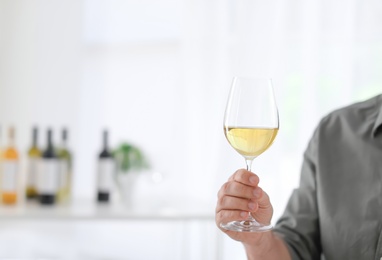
(129, 157)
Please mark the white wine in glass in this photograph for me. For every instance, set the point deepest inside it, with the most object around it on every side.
(251, 123)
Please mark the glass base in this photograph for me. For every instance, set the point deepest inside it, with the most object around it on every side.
(246, 226)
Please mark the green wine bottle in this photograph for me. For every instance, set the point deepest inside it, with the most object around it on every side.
(34, 155)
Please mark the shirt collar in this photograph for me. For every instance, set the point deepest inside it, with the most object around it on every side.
(377, 128)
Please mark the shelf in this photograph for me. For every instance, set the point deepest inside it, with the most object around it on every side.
(90, 210)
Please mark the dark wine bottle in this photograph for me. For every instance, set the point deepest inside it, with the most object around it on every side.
(105, 171)
(49, 173)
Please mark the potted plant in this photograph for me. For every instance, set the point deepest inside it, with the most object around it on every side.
(130, 161)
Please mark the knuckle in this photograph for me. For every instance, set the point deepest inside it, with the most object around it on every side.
(226, 187)
(223, 201)
(223, 190)
(219, 217)
(224, 216)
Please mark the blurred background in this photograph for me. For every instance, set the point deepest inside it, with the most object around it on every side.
(156, 73)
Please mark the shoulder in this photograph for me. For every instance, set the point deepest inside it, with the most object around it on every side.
(354, 117)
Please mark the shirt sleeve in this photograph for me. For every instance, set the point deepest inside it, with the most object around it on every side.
(299, 225)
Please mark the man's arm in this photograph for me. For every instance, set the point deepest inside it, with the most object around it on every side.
(271, 247)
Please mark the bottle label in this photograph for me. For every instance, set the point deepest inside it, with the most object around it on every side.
(105, 174)
(32, 172)
(48, 176)
(9, 176)
(64, 174)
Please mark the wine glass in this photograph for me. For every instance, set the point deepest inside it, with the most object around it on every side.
(251, 123)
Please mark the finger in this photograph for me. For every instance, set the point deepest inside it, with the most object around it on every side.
(264, 212)
(237, 189)
(225, 216)
(264, 201)
(234, 203)
(245, 177)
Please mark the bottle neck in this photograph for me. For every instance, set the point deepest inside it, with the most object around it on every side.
(49, 140)
(64, 138)
(34, 137)
(11, 137)
(49, 152)
(105, 141)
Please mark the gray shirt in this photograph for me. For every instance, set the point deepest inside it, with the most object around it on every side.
(336, 212)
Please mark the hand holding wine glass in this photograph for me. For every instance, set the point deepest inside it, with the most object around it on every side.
(250, 124)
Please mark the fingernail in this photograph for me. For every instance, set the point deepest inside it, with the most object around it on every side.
(257, 193)
(253, 179)
(251, 205)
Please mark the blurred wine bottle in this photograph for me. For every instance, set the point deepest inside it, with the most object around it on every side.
(9, 178)
(34, 155)
(65, 168)
(105, 171)
(48, 175)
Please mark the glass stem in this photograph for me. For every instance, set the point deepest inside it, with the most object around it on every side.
(248, 162)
